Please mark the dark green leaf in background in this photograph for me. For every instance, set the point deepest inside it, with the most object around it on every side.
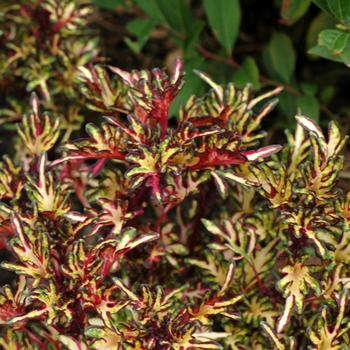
(322, 21)
(142, 29)
(288, 105)
(279, 57)
(192, 36)
(153, 8)
(292, 10)
(171, 13)
(309, 106)
(109, 4)
(249, 73)
(224, 18)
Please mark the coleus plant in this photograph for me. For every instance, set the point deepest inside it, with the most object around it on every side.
(42, 44)
(173, 233)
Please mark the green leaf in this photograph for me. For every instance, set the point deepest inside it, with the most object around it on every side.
(319, 23)
(171, 13)
(224, 19)
(192, 36)
(288, 105)
(248, 73)
(335, 40)
(323, 51)
(309, 106)
(339, 9)
(142, 28)
(279, 57)
(109, 4)
(294, 10)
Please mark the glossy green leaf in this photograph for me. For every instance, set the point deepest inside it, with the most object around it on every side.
(340, 9)
(224, 19)
(279, 57)
(335, 40)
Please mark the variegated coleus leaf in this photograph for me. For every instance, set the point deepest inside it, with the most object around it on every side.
(274, 337)
(213, 304)
(274, 184)
(67, 18)
(326, 336)
(51, 197)
(71, 343)
(293, 286)
(85, 270)
(112, 213)
(295, 152)
(105, 143)
(12, 304)
(213, 267)
(96, 296)
(11, 339)
(343, 206)
(179, 187)
(110, 184)
(86, 263)
(326, 149)
(235, 236)
(39, 133)
(334, 282)
(77, 175)
(310, 223)
(150, 303)
(183, 337)
(320, 178)
(32, 251)
(105, 338)
(258, 308)
(153, 93)
(148, 163)
(230, 109)
(11, 179)
(104, 95)
(167, 247)
(320, 173)
(262, 262)
(54, 307)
